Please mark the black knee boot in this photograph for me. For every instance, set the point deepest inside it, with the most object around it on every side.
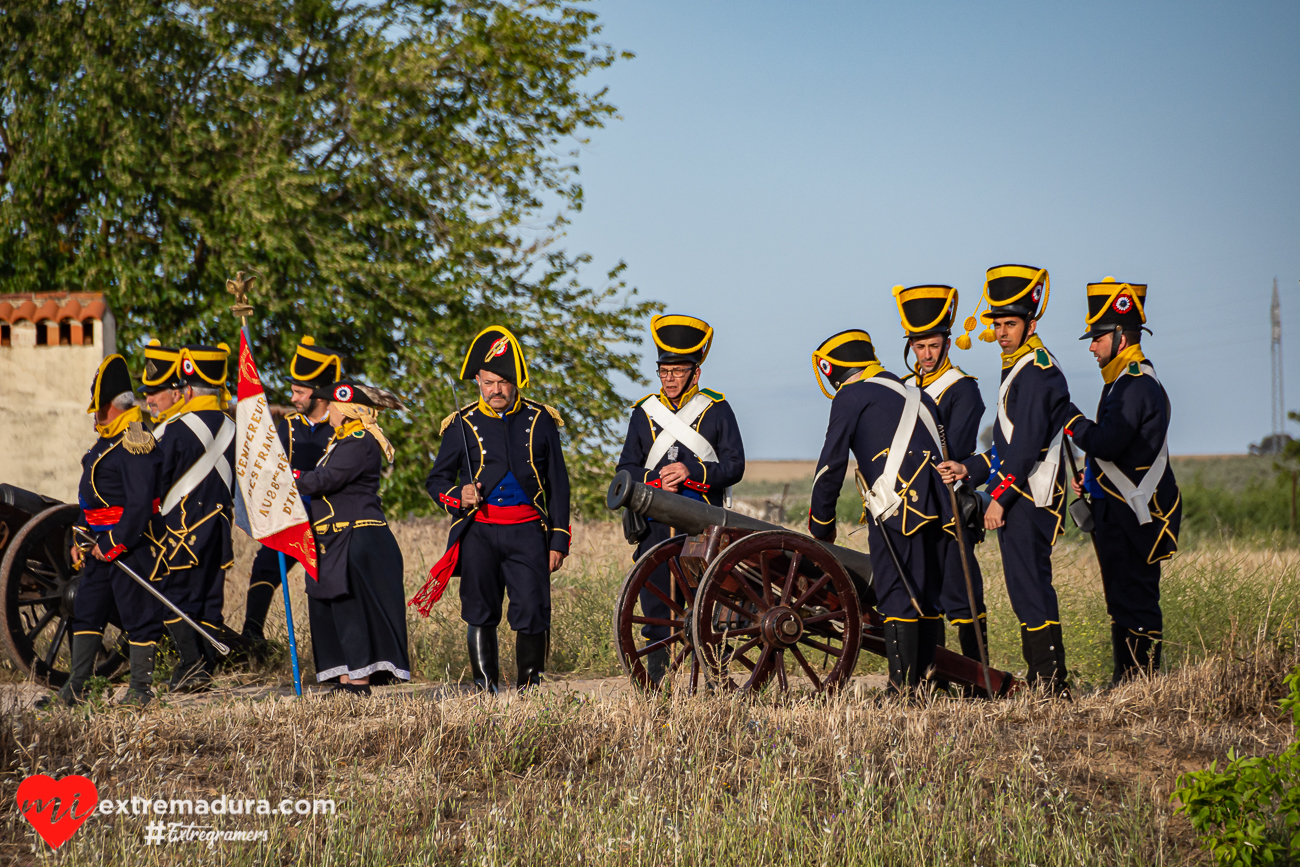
(84, 650)
(931, 635)
(190, 674)
(966, 636)
(901, 644)
(1044, 657)
(256, 608)
(140, 692)
(530, 655)
(482, 644)
(656, 665)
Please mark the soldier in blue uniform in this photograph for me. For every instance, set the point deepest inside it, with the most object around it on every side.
(927, 313)
(892, 431)
(197, 441)
(1135, 503)
(683, 439)
(1023, 469)
(305, 435)
(357, 605)
(118, 495)
(500, 474)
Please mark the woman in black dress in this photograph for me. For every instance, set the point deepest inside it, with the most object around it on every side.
(357, 607)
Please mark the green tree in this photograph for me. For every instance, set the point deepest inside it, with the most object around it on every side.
(397, 173)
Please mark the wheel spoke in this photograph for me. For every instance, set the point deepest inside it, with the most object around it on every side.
(49, 615)
(817, 645)
(695, 672)
(780, 670)
(25, 601)
(43, 577)
(679, 576)
(665, 598)
(53, 652)
(663, 642)
(749, 592)
(727, 603)
(812, 675)
(657, 621)
(763, 658)
(819, 584)
(56, 559)
(678, 659)
(764, 566)
(838, 614)
(789, 578)
(744, 660)
(739, 633)
(740, 651)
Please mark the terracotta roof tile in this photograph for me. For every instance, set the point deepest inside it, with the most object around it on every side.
(57, 306)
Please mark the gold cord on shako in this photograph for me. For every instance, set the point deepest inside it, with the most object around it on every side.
(1005, 291)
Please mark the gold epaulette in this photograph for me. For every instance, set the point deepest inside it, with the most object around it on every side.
(555, 413)
(137, 440)
(446, 422)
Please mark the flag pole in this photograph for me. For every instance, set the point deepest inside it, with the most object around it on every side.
(288, 619)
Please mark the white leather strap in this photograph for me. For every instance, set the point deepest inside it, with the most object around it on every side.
(214, 458)
(1042, 476)
(944, 382)
(883, 499)
(1139, 496)
(676, 428)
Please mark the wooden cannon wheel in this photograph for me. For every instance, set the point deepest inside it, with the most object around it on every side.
(772, 599)
(628, 618)
(37, 588)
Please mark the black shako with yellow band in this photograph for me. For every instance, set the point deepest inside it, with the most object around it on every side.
(357, 606)
(1136, 505)
(1025, 467)
(869, 410)
(198, 456)
(697, 430)
(517, 462)
(928, 311)
(304, 442)
(162, 368)
(118, 495)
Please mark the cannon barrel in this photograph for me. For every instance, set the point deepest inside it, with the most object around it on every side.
(693, 516)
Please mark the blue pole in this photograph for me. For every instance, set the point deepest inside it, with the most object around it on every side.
(288, 619)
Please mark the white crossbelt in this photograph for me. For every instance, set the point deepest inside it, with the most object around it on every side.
(882, 499)
(677, 429)
(1042, 477)
(214, 458)
(1139, 496)
(942, 384)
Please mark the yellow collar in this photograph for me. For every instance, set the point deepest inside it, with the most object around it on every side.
(1025, 348)
(1130, 355)
(348, 428)
(117, 425)
(864, 374)
(194, 404)
(681, 401)
(937, 372)
(492, 413)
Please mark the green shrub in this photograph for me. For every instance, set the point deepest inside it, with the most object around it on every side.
(1249, 813)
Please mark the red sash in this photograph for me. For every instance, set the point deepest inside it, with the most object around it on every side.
(440, 574)
(102, 519)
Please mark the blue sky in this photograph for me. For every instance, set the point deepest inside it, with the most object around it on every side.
(779, 167)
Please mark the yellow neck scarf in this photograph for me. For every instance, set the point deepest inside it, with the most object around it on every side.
(681, 401)
(865, 373)
(194, 404)
(937, 372)
(1025, 348)
(492, 413)
(1117, 364)
(362, 417)
(117, 425)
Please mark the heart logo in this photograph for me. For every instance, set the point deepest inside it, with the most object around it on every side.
(57, 808)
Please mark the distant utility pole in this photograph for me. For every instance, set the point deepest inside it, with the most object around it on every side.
(1279, 401)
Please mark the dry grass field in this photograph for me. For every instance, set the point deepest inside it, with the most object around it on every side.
(433, 775)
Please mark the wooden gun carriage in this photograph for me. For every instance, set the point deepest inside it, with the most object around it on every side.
(754, 602)
(37, 586)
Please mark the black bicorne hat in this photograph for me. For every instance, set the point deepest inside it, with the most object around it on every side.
(1112, 305)
(314, 366)
(204, 366)
(162, 368)
(681, 339)
(926, 310)
(496, 350)
(351, 391)
(111, 379)
(1009, 290)
(842, 355)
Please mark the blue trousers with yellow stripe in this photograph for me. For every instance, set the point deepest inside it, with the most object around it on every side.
(1026, 544)
(922, 555)
(105, 594)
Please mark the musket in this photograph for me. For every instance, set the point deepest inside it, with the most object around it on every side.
(221, 648)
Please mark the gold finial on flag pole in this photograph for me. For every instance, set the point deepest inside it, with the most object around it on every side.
(239, 288)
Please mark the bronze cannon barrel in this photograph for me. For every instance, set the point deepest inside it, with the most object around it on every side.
(693, 516)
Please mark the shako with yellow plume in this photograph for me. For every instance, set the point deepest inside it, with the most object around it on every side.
(1114, 306)
(1009, 290)
(842, 355)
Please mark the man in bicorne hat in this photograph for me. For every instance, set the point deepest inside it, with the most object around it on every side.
(892, 431)
(198, 452)
(682, 439)
(927, 313)
(305, 435)
(118, 497)
(500, 474)
(1135, 503)
(1023, 469)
